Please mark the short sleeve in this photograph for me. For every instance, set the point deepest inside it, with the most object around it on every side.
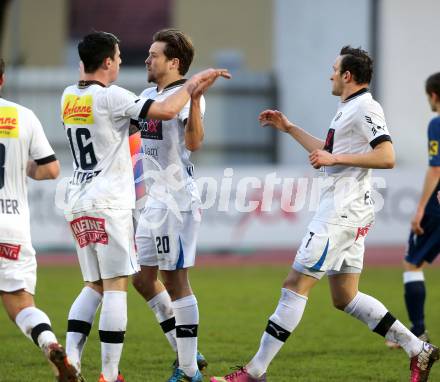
(373, 125)
(433, 142)
(39, 148)
(124, 104)
(184, 113)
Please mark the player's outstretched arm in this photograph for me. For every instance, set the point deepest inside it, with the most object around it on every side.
(45, 171)
(279, 121)
(382, 156)
(168, 108)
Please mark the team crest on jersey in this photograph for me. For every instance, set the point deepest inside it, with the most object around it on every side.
(9, 251)
(433, 148)
(151, 129)
(8, 122)
(88, 230)
(78, 110)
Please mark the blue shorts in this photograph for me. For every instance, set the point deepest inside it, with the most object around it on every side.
(425, 247)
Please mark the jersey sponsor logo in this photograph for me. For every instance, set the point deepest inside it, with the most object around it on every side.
(151, 151)
(329, 141)
(433, 148)
(10, 251)
(9, 206)
(88, 230)
(8, 122)
(374, 128)
(362, 231)
(78, 110)
(151, 129)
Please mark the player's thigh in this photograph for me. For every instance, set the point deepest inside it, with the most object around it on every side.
(423, 248)
(18, 267)
(322, 248)
(175, 239)
(117, 255)
(145, 239)
(14, 302)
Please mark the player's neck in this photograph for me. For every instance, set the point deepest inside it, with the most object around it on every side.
(168, 79)
(351, 89)
(97, 76)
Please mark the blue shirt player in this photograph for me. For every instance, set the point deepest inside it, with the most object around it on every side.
(424, 239)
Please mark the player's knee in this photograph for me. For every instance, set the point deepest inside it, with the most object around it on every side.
(339, 304)
(142, 285)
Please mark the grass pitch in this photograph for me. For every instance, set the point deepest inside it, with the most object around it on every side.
(234, 304)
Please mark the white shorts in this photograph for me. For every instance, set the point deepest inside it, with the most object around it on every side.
(104, 242)
(331, 248)
(18, 267)
(164, 241)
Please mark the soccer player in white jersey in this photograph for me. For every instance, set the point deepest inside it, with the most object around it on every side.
(24, 151)
(168, 225)
(357, 141)
(100, 195)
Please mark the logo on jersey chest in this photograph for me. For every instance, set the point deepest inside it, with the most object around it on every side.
(8, 122)
(78, 110)
(88, 230)
(9, 251)
(151, 129)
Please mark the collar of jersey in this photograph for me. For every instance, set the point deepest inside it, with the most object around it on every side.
(84, 84)
(172, 85)
(358, 93)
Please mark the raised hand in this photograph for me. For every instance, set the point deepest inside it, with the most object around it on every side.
(276, 119)
(201, 81)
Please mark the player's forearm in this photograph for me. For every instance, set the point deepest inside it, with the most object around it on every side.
(381, 157)
(171, 106)
(432, 178)
(194, 132)
(306, 140)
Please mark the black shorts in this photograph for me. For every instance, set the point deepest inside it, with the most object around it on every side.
(425, 247)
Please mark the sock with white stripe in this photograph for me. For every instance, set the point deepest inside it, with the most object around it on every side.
(373, 313)
(80, 320)
(162, 307)
(283, 321)
(112, 326)
(187, 322)
(35, 325)
(415, 295)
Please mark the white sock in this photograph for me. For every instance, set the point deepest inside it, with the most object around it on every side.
(187, 321)
(112, 326)
(35, 325)
(373, 313)
(81, 316)
(284, 320)
(163, 310)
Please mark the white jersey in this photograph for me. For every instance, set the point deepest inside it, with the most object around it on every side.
(168, 172)
(96, 119)
(358, 127)
(21, 139)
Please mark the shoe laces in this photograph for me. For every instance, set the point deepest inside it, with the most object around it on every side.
(239, 370)
(177, 376)
(424, 357)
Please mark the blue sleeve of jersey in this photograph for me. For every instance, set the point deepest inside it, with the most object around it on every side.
(434, 142)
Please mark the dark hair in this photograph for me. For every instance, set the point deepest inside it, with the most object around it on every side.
(2, 66)
(358, 63)
(178, 45)
(433, 84)
(95, 48)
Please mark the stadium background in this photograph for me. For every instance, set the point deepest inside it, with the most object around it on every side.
(280, 53)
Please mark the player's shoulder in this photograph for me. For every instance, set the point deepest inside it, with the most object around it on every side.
(149, 92)
(115, 91)
(367, 104)
(435, 122)
(23, 110)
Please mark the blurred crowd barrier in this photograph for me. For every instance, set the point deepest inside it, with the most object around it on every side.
(251, 207)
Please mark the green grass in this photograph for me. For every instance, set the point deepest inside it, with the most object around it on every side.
(234, 303)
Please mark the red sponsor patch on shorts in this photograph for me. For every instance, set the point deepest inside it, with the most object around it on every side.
(362, 231)
(88, 230)
(9, 251)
